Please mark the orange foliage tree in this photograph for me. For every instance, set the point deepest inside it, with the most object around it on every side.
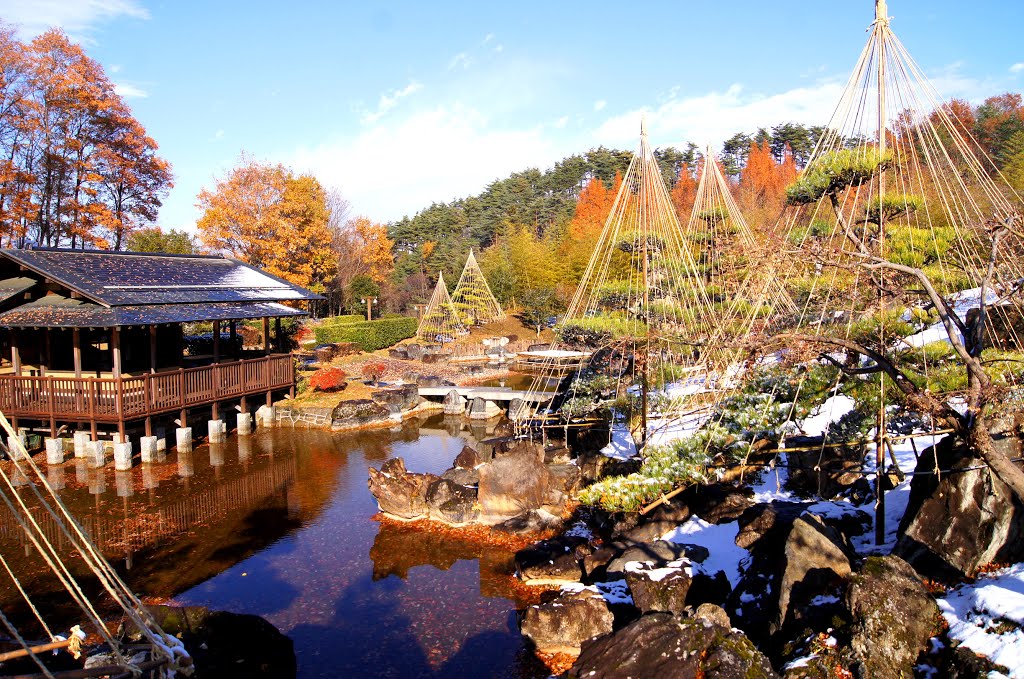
(684, 193)
(77, 168)
(266, 216)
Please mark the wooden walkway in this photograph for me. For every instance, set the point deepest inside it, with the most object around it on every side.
(488, 393)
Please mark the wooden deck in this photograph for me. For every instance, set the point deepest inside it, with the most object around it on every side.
(107, 399)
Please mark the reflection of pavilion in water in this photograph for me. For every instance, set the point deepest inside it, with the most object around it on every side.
(195, 510)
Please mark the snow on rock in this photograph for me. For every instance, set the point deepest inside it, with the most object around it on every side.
(614, 592)
(988, 617)
(828, 412)
(720, 541)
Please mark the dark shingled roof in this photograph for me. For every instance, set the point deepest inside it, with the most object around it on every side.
(132, 279)
(56, 311)
(9, 287)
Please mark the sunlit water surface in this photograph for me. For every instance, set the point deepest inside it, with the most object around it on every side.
(280, 524)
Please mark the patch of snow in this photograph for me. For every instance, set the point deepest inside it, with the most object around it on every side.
(664, 430)
(659, 574)
(800, 662)
(615, 592)
(719, 540)
(622, 446)
(978, 614)
(830, 411)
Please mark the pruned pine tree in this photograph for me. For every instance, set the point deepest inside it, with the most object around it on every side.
(440, 321)
(472, 297)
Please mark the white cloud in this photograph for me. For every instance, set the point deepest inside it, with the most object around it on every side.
(130, 91)
(77, 17)
(461, 60)
(1018, 67)
(218, 135)
(447, 152)
(716, 116)
(561, 122)
(389, 101)
(600, 104)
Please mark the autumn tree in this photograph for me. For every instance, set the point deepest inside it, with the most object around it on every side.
(77, 169)
(269, 217)
(365, 255)
(684, 193)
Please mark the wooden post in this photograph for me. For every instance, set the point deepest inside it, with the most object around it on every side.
(115, 348)
(278, 340)
(149, 425)
(266, 335)
(234, 340)
(152, 350)
(76, 343)
(216, 341)
(15, 353)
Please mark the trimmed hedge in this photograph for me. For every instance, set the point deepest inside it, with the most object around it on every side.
(343, 320)
(369, 335)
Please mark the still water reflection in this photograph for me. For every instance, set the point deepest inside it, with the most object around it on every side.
(280, 524)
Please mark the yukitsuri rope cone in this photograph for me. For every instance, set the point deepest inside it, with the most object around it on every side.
(473, 298)
(641, 313)
(41, 515)
(440, 322)
(900, 237)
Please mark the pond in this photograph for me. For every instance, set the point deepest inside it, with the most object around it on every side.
(281, 524)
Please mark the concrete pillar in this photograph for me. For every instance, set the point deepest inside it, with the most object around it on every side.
(161, 438)
(147, 449)
(82, 439)
(12, 445)
(216, 431)
(244, 424)
(183, 437)
(97, 453)
(54, 451)
(266, 416)
(123, 483)
(123, 456)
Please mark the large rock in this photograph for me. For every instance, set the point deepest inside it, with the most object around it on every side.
(651, 527)
(226, 644)
(463, 477)
(817, 560)
(400, 492)
(719, 503)
(770, 520)
(661, 645)
(398, 398)
(957, 522)
(451, 503)
(562, 625)
(557, 560)
(656, 552)
(468, 458)
(358, 413)
(514, 483)
(660, 588)
(893, 617)
(822, 471)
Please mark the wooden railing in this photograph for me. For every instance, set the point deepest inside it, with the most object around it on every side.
(105, 399)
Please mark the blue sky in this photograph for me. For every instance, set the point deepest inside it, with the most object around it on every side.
(401, 104)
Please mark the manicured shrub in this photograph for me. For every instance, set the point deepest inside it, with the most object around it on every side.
(328, 379)
(369, 335)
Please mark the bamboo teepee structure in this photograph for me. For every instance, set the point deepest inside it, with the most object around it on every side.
(641, 311)
(472, 297)
(441, 322)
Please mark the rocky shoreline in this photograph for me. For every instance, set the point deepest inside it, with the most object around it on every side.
(724, 579)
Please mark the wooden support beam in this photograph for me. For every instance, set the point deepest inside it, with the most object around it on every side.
(115, 350)
(266, 335)
(278, 340)
(76, 344)
(216, 341)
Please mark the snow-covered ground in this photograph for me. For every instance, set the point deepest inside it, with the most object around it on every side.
(719, 540)
(988, 617)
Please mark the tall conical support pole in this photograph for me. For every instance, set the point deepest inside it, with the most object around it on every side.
(646, 297)
(880, 28)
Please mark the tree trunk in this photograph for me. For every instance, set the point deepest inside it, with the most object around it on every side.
(980, 439)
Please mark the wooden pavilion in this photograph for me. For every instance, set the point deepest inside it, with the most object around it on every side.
(97, 337)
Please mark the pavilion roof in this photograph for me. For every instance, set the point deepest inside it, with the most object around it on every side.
(114, 279)
(57, 311)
